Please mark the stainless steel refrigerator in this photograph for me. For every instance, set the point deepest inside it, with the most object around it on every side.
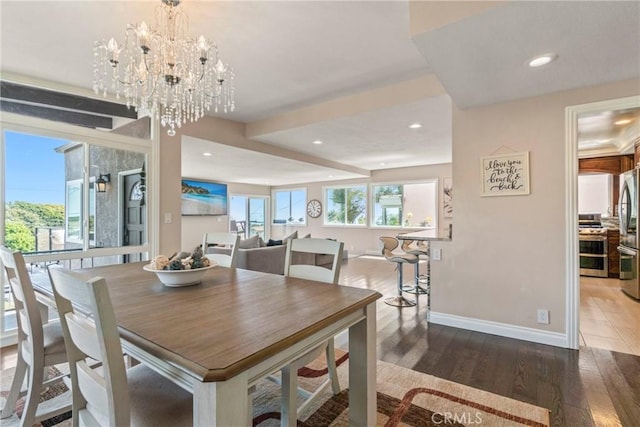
(629, 244)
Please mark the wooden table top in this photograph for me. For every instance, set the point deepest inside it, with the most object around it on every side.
(231, 321)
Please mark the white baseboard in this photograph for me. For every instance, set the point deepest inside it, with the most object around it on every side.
(371, 252)
(501, 329)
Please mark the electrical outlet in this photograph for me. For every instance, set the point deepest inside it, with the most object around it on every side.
(437, 254)
(543, 316)
(167, 218)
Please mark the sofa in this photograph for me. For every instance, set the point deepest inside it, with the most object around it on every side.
(269, 257)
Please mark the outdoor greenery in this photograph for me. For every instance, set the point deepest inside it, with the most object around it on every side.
(350, 202)
(22, 218)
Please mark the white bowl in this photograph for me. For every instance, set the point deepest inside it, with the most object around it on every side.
(177, 278)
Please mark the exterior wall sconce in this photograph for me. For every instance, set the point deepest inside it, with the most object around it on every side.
(101, 182)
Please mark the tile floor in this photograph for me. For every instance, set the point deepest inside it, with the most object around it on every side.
(609, 318)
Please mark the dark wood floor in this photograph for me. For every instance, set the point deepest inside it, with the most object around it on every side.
(592, 387)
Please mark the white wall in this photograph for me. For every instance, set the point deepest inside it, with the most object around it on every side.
(507, 256)
(194, 227)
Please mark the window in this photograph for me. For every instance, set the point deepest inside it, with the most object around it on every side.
(346, 205)
(49, 207)
(412, 205)
(290, 206)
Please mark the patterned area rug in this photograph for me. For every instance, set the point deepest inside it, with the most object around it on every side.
(53, 394)
(404, 398)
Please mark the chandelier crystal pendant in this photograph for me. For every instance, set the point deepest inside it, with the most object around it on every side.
(163, 72)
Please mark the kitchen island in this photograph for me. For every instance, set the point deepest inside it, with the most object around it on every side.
(426, 236)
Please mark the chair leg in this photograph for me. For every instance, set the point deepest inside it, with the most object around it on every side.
(415, 289)
(289, 399)
(399, 300)
(331, 365)
(36, 373)
(16, 385)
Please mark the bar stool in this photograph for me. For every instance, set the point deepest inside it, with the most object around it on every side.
(388, 245)
(420, 249)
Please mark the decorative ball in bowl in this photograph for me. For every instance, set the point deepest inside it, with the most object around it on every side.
(177, 278)
(181, 269)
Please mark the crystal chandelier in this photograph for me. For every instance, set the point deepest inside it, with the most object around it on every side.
(163, 71)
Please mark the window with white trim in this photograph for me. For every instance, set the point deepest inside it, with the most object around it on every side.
(289, 206)
(346, 205)
(408, 205)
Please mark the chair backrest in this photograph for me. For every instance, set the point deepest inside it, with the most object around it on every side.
(314, 272)
(100, 396)
(227, 239)
(387, 245)
(420, 246)
(30, 333)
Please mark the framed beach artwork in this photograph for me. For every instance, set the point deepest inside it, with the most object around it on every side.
(505, 174)
(447, 197)
(201, 197)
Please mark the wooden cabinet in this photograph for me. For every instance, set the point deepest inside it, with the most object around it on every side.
(612, 164)
(613, 239)
(627, 163)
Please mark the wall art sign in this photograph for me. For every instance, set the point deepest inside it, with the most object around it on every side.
(505, 174)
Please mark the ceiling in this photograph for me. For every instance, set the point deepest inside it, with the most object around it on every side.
(311, 59)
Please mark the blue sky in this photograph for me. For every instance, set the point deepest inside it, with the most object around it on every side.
(34, 172)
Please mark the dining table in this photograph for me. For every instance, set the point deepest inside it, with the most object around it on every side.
(218, 338)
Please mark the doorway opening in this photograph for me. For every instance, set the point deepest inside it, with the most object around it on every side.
(601, 140)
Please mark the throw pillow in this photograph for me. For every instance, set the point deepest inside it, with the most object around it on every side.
(262, 243)
(250, 243)
(308, 236)
(274, 242)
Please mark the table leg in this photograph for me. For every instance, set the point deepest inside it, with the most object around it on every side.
(362, 370)
(222, 403)
(289, 401)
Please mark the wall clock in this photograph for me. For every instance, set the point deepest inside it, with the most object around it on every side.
(314, 208)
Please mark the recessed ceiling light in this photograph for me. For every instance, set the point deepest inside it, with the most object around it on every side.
(541, 60)
(623, 122)
(317, 142)
(382, 163)
(415, 126)
(330, 176)
(207, 154)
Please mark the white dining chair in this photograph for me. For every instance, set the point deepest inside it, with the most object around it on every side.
(226, 256)
(290, 388)
(111, 395)
(39, 347)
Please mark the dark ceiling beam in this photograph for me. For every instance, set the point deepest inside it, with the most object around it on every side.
(33, 95)
(65, 116)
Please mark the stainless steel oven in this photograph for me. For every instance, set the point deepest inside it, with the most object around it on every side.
(594, 254)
